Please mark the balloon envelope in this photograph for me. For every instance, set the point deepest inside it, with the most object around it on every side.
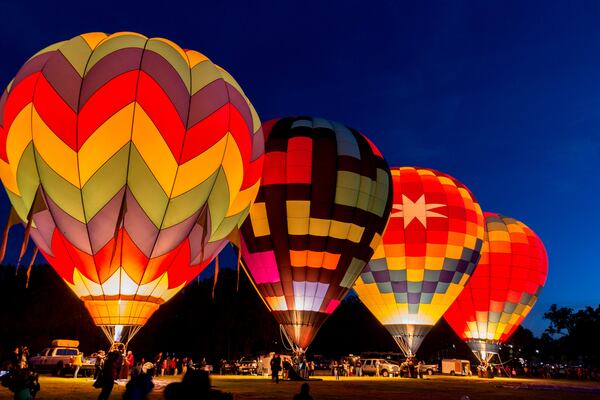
(429, 250)
(133, 160)
(504, 287)
(322, 206)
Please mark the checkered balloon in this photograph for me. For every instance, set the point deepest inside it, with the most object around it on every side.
(323, 203)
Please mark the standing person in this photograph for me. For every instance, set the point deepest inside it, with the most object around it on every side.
(128, 363)
(358, 367)
(130, 359)
(99, 364)
(124, 372)
(377, 366)
(190, 365)
(302, 368)
(164, 363)
(275, 367)
(173, 366)
(311, 368)
(140, 384)
(411, 368)
(158, 363)
(109, 373)
(420, 368)
(334, 369)
(184, 366)
(286, 366)
(24, 358)
(77, 362)
(16, 358)
(136, 370)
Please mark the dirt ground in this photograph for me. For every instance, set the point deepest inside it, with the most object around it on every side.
(435, 387)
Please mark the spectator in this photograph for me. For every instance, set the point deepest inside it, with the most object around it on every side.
(275, 367)
(358, 367)
(194, 385)
(99, 364)
(184, 363)
(77, 363)
(24, 357)
(128, 362)
(302, 369)
(304, 393)
(173, 366)
(334, 370)
(190, 365)
(110, 372)
(140, 384)
(420, 369)
(158, 364)
(164, 365)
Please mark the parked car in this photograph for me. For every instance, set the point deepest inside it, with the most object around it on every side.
(227, 367)
(431, 369)
(386, 368)
(246, 366)
(58, 359)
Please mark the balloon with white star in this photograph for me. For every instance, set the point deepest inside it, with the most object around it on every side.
(429, 250)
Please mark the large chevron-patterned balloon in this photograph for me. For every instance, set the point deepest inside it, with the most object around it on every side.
(132, 160)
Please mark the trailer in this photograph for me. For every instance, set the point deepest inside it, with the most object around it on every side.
(454, 366)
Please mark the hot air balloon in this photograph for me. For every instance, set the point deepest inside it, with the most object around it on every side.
(130, 161)
(322, 206)
(429, 250)
(503, 289)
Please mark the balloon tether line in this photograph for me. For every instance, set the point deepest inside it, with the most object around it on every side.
(216, 276)
(11, 220)
(35, 252)
(293, 347)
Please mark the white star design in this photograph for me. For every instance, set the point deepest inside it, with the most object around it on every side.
(410, 210)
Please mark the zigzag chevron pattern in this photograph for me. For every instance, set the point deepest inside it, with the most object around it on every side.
(146, 157)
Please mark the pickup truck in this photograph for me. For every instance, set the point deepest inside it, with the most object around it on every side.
(431, 369)
(58, 359)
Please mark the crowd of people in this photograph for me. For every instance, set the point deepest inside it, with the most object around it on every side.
(118, 365)
(20, 379)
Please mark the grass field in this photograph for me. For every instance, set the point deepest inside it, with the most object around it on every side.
(436, 387)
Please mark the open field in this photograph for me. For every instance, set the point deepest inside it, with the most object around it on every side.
(436, 387)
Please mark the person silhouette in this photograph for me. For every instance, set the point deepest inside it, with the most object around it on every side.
(139, 386)
(194, 385)
(275, 367)
(304, 393)
(110, 372)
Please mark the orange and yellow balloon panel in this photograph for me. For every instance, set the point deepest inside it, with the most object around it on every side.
(130, 161)
(429, 250)
(504, 288)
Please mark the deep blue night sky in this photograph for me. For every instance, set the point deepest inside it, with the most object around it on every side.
(504, 96)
